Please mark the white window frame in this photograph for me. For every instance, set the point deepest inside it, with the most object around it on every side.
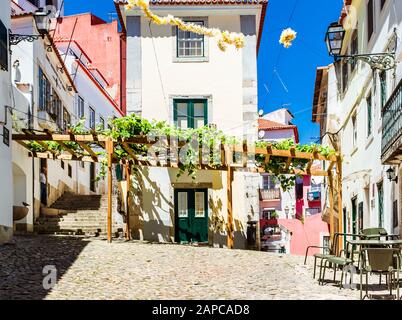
(92, 118)
(176, 58)
(80, 108)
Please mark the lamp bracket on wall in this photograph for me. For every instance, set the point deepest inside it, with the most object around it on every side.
(17, 38)
(377, 61)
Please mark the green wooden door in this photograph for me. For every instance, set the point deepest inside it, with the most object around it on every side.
(191, 215)
(354, 216)
(380, 205)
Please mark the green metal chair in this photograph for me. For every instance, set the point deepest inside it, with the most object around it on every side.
(381, 261)
(327, 252)
(373, 233)
(337, 260)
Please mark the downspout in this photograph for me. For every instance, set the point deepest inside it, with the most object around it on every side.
(33, 159)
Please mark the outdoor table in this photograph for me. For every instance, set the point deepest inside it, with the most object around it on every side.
(369, 243)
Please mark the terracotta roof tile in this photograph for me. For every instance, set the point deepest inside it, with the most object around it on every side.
(269, 125)
(264, 124)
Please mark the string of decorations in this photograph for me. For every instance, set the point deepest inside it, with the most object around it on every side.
(224, 38)
(287, 37)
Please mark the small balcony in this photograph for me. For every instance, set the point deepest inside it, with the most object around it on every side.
(392, 128)
(49, 118)
(270, 194)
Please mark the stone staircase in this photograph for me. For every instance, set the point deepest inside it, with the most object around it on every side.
(79, 215)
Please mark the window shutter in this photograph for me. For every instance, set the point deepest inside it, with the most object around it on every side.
(41, 102)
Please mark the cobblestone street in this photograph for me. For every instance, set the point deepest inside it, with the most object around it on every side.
(90, 268)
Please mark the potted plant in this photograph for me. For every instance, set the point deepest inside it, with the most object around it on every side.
(274, 215)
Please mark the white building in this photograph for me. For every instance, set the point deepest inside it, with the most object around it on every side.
(44, 94)
(92, 103)
(6, 194)
(360, 112)
(53, 88)
(186, 80)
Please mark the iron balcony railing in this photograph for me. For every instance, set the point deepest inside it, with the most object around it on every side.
(392, 120)
(270, 194)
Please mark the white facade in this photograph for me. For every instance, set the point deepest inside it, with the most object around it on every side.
(30, 61)
(93, 103)
(226, 82)
(349, 113)
(56, 6)
(6, 193)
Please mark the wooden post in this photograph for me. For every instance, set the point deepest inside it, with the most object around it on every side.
(331, 205)
(340, 205)
(230, 207)
(128, 179)
(109, 150)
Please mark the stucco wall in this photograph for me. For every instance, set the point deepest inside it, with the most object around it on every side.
(162, 79)
(362, 167)
(6, 193)
(152, 205)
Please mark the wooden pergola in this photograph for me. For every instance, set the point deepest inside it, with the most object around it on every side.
(90, 144)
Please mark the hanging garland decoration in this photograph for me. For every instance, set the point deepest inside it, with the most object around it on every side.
(287, 37)
(224, 38)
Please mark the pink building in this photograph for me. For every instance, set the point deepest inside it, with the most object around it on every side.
(105, 47)
(290, 221)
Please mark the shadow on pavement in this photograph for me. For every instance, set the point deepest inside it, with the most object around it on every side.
(23, 260)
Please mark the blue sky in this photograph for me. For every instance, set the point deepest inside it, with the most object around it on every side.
(286, 76)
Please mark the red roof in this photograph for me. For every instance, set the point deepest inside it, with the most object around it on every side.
(269, 125)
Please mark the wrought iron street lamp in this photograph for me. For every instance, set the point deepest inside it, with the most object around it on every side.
(380, 61)
(391, 175)
(42, 22)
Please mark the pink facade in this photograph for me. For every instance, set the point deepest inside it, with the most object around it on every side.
(303, 235)
(105, 46)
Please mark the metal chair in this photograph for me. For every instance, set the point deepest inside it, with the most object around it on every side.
(381, 261)
(376, 234)
(338, 260)
(327, 252)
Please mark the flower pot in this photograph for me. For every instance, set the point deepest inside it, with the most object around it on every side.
(19, 213)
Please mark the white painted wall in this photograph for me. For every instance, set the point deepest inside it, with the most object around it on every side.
(31, 56)
(226, 79)
(221, 75)
(279, 135)
(6, 193)
(95, 99)
(281, 116)
(362, 167)
(29, 7)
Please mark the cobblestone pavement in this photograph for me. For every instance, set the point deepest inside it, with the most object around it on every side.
(90, 268)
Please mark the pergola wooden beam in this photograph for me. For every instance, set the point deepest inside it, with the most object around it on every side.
(69, 150)
(226, 153)
(63, 157)
(88, 149)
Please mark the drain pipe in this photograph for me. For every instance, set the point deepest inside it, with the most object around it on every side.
(31, 125)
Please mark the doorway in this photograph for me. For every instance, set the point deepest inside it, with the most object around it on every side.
(380, 190)
(354, 216)
(191, 215)
(92, 177)
(43, 182)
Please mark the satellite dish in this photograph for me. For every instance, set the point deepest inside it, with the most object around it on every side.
(261, 113)
(261, 134)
